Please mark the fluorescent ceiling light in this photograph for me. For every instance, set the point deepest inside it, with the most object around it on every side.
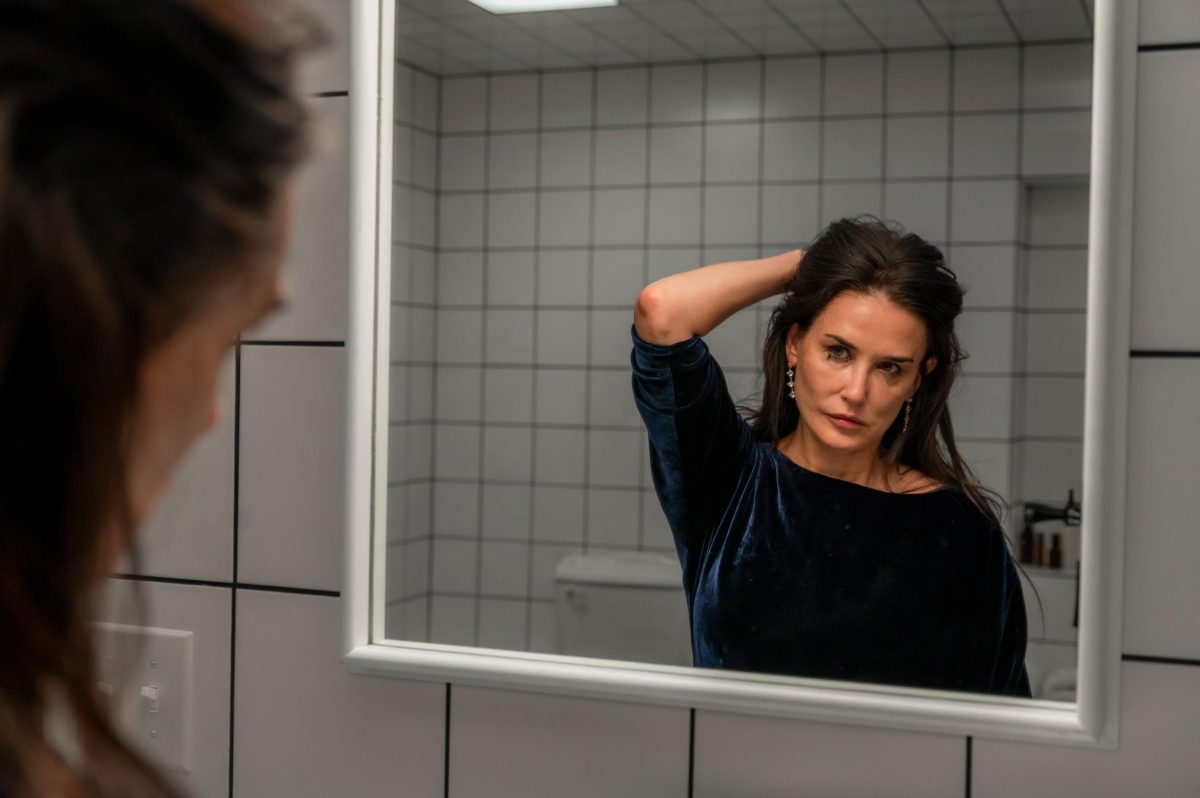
(520, 6)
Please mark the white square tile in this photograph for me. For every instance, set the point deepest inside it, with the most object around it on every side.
(1058, 76)
(793, 87)
(403, 153)
(464, 103)
(504, 570)
(462, 163)
(511, 217)
(414, 562)
(453, 620)
(564, 217)
(745, 755)
(566, 158)
(456, 451)
(189, 535)
(984, 211)
(456, 508)
(1160, 717)
(455, 565)
(621, 95)
(991, 462)
(1051, 620)
(1056, 144)
(847, 200)
(613, 458)
(425, 160)
(502, 624)
(674, 215)
(610, 338)
(563, 277)
(1053, 406)
(510, 278)
(918, 81)
(1167, 22)
(505, 741)
(675, 93)
(559, 455)
(459, 336)
(731, 152)
(512, 160)
(315, 271)
(513, 102)
(613, 518)
(731, 215)
(676, 154)
(919, 206)
(561, 395)
(987, 336)
(460, 278)
(507, 510)
(361, 735)
(985, 79)
(621, 157)
(617, 277)
(918, 146)
(1055, 342)
(853, 84)
(1058, 214)
(425, 100)
(663, 262)
(460, 220)
(732, 90)
(508, 393)
(791, 150)
(561, 337)
(1051, 469)
(853, 148)
(458, 391)
(509, 336)
(611, 400)
(1166, 203)
(1056, 278)
(402, 102)
(543, 630)
(735, 343)
(789, 214)
(557, 514)
(1162, 603)
(507, 453)
(619, 216)
(982, 407)
(988, 273)
(424, 207)
(291, 494)
(206, 613)
(985, 145)
(567, 99)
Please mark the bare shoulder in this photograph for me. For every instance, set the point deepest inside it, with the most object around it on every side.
(910, 480)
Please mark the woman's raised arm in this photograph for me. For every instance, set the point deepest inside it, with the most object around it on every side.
(694, 302)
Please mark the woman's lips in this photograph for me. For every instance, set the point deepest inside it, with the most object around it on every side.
(846, 422)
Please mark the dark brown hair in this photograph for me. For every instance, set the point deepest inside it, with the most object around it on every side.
(144, 149)
(865, 256)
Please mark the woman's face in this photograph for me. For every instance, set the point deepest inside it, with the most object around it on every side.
(855, 367)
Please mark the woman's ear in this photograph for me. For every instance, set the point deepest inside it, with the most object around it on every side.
(792, 347)
(929, 366)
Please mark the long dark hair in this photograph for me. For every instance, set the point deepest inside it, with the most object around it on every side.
(144, 151)
(864, 255)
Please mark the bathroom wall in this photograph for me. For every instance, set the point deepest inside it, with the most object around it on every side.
(277, 714)
(559, 195)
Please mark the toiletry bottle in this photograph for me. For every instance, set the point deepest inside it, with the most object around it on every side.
(1039, 553)
(1056, 551)
(1027, 545)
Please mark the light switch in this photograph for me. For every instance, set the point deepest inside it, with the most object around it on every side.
(147, 671)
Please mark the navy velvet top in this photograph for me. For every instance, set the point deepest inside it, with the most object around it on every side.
(788, 571)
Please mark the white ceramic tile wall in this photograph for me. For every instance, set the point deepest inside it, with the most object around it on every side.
(301, 723)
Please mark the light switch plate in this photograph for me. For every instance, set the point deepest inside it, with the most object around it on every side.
(133, 658)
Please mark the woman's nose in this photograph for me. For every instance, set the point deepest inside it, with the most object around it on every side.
(855, 389)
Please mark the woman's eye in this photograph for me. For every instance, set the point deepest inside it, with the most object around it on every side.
(890, 368)
(838, 352)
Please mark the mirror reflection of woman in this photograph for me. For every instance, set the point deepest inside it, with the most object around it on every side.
(836, 532)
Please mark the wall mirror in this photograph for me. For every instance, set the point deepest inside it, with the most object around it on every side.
(520, 176)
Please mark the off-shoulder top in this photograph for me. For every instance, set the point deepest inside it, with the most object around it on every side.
(788, 571)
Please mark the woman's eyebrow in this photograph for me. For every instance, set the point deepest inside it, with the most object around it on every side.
(843, 342)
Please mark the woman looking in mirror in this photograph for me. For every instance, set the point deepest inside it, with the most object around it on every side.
(146, 150)
(837, 533)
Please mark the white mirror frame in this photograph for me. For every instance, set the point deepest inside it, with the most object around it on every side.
(1091, 721)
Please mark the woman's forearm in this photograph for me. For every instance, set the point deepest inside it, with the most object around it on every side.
(694, 302)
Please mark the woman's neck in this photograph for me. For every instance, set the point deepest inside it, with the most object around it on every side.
(862, 467)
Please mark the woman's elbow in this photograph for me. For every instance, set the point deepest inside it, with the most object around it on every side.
(652, 315)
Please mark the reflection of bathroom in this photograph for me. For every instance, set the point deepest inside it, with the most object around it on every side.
(531, 207)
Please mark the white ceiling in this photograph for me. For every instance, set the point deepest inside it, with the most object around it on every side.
(455, 36)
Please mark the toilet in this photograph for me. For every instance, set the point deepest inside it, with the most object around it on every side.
(626, 605)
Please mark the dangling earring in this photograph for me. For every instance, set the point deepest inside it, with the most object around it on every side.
(791, 383)
(907, 413)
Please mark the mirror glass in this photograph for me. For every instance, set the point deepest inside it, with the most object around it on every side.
(549, 165)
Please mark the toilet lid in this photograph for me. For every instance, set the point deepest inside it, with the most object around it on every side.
(641, 568)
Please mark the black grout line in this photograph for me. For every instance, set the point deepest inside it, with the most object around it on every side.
(324, 344)
(235, 586)
(342, 93)
(1160, 660)
(237, 459)
(970, 741)
(1160, 48)
(691, 752)
(446, 744)
(1164, 353)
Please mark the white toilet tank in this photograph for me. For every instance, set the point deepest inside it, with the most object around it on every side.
(626, 605)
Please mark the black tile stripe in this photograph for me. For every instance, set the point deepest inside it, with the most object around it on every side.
(446, 749)
(237, 459)
(691, 753)
(330, 94)
(967, 793)
(1160, 660)
(1164, 353)
(325, 344)
(1159, 48)
(235, 586)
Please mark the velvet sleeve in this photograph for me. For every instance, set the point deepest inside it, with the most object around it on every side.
(1009, 676)
(698, 442)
